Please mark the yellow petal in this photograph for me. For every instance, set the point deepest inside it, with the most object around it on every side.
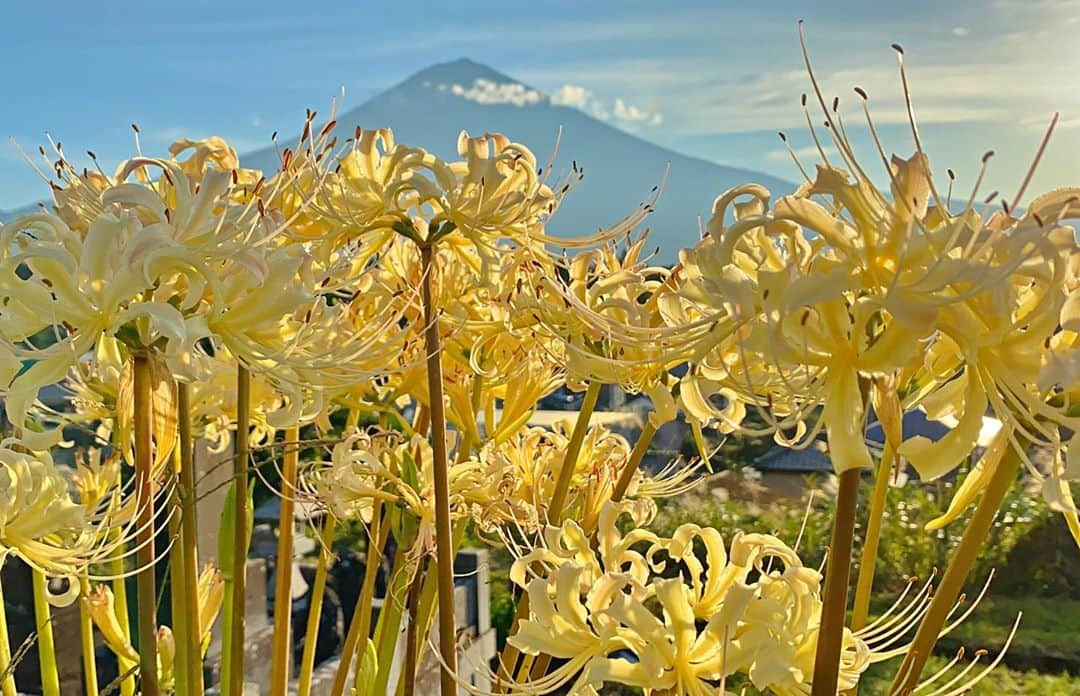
(974, 483)
(844, 417)
(934, 459)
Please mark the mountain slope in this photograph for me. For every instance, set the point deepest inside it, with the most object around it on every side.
(620, 169)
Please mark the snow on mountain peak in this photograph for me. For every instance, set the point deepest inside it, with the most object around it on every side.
(475, 82)
(462, 71)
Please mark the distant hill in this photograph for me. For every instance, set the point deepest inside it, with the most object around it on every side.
(6, 215)
(430, 108)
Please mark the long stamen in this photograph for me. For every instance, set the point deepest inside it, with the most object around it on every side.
(1035, 161)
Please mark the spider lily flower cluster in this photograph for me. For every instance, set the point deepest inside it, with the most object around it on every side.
(685, 614)
(103, 613)
(674, 615)
(841, 299)
(421, 301)
(502, 489)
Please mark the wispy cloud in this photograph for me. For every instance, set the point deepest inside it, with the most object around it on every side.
(572, 95)
(629, 112)
(944, 90)
(1014, 71)
(618, 111)
(484, 91)
(809, 153)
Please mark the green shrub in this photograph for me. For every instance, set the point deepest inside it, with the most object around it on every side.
(1002, 681)
(906, 549)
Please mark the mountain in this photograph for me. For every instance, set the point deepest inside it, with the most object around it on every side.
(6, 215)
(430, 108)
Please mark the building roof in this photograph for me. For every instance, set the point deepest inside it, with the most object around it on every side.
(813, 459)
(810, 460)
(915, 423)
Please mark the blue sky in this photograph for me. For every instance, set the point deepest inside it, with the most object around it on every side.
(704, 78)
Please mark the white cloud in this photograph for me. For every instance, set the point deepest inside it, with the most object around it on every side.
(756, 84)
(809, 153)
(487, 92)
(942, 91)
(1029, 5)
(620, 111)
(629, 112)
(572, 95)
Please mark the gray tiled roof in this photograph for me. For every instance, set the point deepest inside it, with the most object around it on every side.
(915, 423)
(809, 460)
(813, 460)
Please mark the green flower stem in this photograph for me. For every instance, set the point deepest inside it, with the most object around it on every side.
(955, 575)
(412, 635)
(426, 611)
(444, 554)
(527, 668)
(180, 602)
(360, 625)
(318, 592)
(837, 575)
(466, 446)
(641, 447)
(189, 537)
(282, 642)
(119, 588)
(86, 635)
(573, 449)
(865, 583)
(7, 670)
(389, 623)
(146, 584)
(50, 678)
(538, 666)
(421, 420)
(234, 653)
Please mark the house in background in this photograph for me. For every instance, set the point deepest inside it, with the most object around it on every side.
(785, 472)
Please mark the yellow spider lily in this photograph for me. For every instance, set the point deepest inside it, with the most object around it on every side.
(95, 480)
(211, 589)
(354, 478)
(528, 465)
(39, 522)
(616, 615)
(492, 193)
(102, 608)
(608, 318)
(681, 615)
